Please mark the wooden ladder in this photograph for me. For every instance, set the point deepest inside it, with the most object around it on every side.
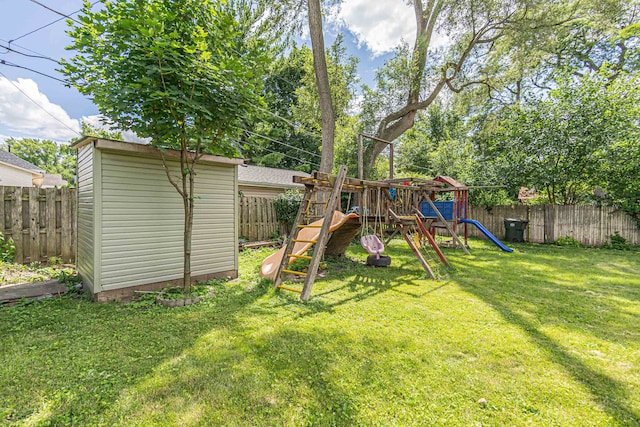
(319, 244)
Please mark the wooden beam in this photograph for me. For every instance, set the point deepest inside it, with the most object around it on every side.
(323, 237)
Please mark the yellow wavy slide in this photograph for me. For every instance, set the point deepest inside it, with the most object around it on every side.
(272, 262)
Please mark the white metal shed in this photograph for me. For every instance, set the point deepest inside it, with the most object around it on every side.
(131, 220)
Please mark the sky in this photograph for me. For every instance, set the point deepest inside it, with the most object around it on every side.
(40, 106)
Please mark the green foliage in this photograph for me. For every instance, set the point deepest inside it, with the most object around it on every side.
(488, 198)
(616, 241)
(35, 272)
(286, 206)
(50, 156)
(178, 72)
(571, 141)
(7, 248)
(568, 241)
(292, 112)
(89, 130)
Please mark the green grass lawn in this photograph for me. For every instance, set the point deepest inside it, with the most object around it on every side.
(548, 336)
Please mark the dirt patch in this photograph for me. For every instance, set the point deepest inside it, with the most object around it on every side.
(11, 274)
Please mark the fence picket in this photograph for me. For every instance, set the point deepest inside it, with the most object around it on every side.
(29, 216)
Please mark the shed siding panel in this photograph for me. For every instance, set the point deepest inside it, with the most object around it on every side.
(85, 253)
(142, 222)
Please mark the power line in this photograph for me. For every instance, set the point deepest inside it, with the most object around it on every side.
(56, 12)
(39, 106)
(11, 64)
(36, 30)
(304, 162)
(27, 49)
(290, 123)
(278, 142)
(10, 49)
(50, 23)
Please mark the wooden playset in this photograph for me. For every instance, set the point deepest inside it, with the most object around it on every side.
(399, 204)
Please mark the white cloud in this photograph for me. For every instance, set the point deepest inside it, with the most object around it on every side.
(379, 24)
(21, 115)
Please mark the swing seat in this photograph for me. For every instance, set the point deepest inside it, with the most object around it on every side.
(372, 244)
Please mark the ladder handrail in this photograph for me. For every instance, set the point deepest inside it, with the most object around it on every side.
(292, 237)
(323, 236)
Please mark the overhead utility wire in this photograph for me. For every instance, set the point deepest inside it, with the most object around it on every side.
(290, 123)
(51, 23)
(304, 162)
(10, 49)
(40, 106)
(278, 142)
(11, 64)
(27, 49)
(56, 12)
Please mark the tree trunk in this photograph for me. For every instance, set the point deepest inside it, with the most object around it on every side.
(322, 81)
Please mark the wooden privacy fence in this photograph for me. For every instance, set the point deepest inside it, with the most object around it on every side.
(41, 222)
(590, 225)
(257, 219)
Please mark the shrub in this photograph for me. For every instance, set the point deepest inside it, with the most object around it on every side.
(287, 205)
(7, 249)
(568, 241)
(616, 241)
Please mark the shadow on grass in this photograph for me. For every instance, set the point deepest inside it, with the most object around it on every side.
(546, 298)
(237, 376)
(65, 361)
(349, 280)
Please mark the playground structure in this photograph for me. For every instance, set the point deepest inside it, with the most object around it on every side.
(454, 212)
(321, 225)
(408, 205)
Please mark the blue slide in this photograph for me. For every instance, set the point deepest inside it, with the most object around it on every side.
(487, 233)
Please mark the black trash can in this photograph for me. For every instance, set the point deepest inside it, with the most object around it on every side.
(514, 229)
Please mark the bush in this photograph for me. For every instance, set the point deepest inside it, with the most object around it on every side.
(287, 205)
(616, 241)
(568, 241)
(7, 249)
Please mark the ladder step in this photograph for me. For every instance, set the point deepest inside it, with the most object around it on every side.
(297, 273)
(299, 256)
(309, 226)
(303, 241)
(287, 288)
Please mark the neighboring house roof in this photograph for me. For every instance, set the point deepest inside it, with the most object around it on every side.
(13, 160)
(52, 180)
(268, 177)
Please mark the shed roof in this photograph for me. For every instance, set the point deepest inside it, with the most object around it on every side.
(13, 160)
(268, 177)
(147, 150)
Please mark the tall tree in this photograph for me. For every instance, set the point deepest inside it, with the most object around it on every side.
(572, 141)
(180, 72)
(322, 81)
(414, 79)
